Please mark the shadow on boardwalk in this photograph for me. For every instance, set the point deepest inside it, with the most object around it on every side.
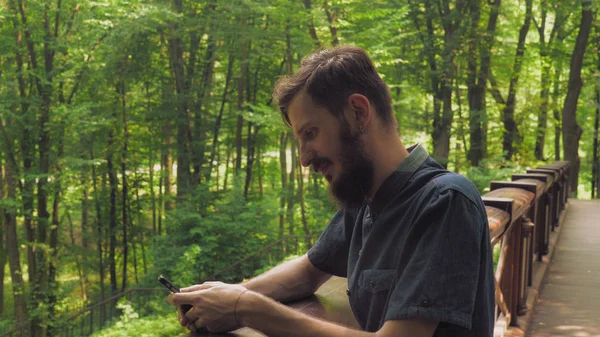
(569, 303)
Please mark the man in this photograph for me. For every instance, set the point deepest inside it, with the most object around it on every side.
(411, 237)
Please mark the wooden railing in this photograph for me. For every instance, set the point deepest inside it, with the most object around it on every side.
(521, 214)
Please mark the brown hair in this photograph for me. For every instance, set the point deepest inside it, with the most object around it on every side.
(330, 76)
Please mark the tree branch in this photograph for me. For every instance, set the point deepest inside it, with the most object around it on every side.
(57, 18)
(414, 16)
(84, 68)
(11, 155)
(494, 90)
(30, 46)
(70, 23)
(540, 31)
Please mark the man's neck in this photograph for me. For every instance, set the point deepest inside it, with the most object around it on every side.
(388, 153)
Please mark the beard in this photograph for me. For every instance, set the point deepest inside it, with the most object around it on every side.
(350, 190)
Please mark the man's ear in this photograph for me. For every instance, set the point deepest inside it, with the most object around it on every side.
(361, 112)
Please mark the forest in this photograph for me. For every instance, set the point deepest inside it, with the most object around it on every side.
(140, 138)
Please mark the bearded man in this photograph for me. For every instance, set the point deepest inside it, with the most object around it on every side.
(411, 237)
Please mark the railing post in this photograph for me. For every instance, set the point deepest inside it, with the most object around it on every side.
(526, 258)
(515, 266)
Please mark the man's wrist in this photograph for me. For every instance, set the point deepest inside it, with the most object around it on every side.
(249, 304)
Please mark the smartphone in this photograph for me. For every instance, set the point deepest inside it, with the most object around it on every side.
(184, 307)
(173, 289)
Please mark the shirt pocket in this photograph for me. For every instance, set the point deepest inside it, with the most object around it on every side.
(376, 280)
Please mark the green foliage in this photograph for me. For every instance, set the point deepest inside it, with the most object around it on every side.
(496, 168)
(130, 324)
(269, 266)
(496, 255)
(203, 242)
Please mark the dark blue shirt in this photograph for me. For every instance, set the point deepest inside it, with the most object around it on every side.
(420, 249)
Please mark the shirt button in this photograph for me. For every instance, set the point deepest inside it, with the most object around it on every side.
(426, 303)
(348, 292)
(372, 284)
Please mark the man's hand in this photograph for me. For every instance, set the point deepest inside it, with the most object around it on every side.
(213, 306)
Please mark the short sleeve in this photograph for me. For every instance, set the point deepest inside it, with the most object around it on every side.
(330, 252)
(439, 279)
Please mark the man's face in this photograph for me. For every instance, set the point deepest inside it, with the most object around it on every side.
(329, 146)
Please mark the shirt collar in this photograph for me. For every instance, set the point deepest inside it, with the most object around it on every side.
(396, 181)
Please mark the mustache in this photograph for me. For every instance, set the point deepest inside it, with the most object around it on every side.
(317, 162)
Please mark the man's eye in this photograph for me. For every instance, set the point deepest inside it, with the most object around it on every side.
(310, 134)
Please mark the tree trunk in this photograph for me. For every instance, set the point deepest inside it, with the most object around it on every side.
(53, 263)
(134, 232)
(240, 105)
(27, 149)
(460, 137)
(250, 156)
(85, 212)
(545, 49)
(80, 271)
(260, 172)
(331, 18)
(140, 230)
(184, 175)
(99, 231)
(12, 245)
(217, 128)
(151, 168)
(112, 215)
(283, 139)
(311, 24)
(124, 188)
(252, 135)
(434, 74)
(571, 130)
(300, 177)
(596, 160)
(40, 287)
(205, 87)
(442, 123)
(167, 160)
(441, 73)
(543, 112)
(291, 189)
(3, 255)
(555, 110)
(238, 144)
(161, 205)
(472, 91)
(511, 131)
(478, 81)
(226, 173)
(151, 189)
(190, 83)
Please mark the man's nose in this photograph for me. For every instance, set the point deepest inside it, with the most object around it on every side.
(305, 155)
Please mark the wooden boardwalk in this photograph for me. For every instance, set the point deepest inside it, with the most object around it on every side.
(569, 303)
